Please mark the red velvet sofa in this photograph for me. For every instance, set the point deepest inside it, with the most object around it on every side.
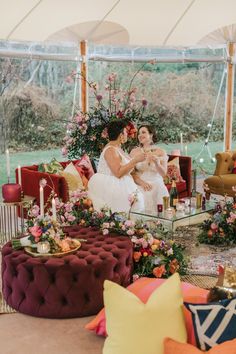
(31, 177)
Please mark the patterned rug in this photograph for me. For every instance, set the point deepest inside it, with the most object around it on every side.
(203, 259)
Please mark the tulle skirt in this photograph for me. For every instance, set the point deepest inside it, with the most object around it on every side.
(113, 192)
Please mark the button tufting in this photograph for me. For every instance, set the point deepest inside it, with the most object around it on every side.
(64, 301)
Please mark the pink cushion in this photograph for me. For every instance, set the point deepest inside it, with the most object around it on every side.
(143, 288)
(85, 164)
(173, 172)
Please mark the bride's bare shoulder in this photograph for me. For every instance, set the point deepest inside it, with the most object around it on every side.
(135, 151)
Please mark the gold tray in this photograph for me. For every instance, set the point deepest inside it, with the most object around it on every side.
(32, 253)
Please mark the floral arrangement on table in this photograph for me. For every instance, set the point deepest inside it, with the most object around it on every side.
(87, 132)
(45, 234)
(221, 227)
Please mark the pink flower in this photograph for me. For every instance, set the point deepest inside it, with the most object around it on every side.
(35, 211)
(105, 232)
(144, 102)
(36, 232)
(99, 98)
(130, 232)
(104, 134)
(64, 151)
(129, 223)
(79, 118)
(135, 277)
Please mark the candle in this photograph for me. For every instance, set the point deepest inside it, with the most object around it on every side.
(41, 199)
(43, 247)
(186, 150)
(181, 142)
(19, 174)
(8, 165)
(54, 213)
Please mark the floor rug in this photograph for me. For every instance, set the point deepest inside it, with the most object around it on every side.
(203, 259)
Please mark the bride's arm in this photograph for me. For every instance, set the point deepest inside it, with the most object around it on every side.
(161, 165)
(140, 182)
(113, 160)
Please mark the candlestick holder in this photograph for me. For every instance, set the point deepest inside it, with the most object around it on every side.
(11, 192)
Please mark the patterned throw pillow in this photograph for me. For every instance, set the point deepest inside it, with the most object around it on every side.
(52, 167)
(214, 323)
(173, 171)
(85, 165)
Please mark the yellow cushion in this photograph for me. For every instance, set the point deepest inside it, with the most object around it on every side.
(74, 182)
(135, 327)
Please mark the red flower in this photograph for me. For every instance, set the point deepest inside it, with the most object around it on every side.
(131, 130)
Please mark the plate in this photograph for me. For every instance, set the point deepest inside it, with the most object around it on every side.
(33, 252)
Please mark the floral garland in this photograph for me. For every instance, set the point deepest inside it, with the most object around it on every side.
(153, 255)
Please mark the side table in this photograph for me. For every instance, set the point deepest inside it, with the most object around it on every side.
(12, 218)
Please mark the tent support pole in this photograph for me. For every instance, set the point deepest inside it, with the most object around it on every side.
(84, 96)
(229, 99)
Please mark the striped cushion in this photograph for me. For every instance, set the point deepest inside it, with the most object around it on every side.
(214, 323)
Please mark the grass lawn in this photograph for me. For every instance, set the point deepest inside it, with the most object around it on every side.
(35, 157)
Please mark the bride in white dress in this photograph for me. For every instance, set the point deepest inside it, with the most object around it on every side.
(113, 185)
(150, 172)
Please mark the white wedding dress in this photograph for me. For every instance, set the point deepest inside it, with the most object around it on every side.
(148, 173)
(105, 189)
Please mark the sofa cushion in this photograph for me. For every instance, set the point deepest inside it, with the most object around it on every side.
(135, 327)
(52, 167)
(214, 323)
(173, 171)
(85, 164)
(222, 183)
(143, 288)
(173, 347)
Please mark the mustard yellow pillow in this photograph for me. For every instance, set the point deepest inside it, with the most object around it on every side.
(135, 327)
(74, 182)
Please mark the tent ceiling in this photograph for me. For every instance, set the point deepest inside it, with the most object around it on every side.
(132, 22)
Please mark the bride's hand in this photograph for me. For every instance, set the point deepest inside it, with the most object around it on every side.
(140, 157)
(146, 186)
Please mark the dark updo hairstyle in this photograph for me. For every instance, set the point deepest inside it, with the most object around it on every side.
(116, 127)
(151, 131)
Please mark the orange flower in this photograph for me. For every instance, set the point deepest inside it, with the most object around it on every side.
(156, 242)
(159, 271)
(137, 256)
(174, 266)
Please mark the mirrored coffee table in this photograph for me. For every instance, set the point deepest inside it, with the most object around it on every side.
(177, 219)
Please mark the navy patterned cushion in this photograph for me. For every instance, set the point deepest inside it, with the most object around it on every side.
(214, 323)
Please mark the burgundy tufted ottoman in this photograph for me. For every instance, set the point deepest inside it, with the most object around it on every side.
(70, 286)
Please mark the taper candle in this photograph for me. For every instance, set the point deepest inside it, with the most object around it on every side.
(19, 174)
(41, 199)
(181, 142)
(54, 213)
(8, 165)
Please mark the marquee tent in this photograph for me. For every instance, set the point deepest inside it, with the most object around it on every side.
(172, 23)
